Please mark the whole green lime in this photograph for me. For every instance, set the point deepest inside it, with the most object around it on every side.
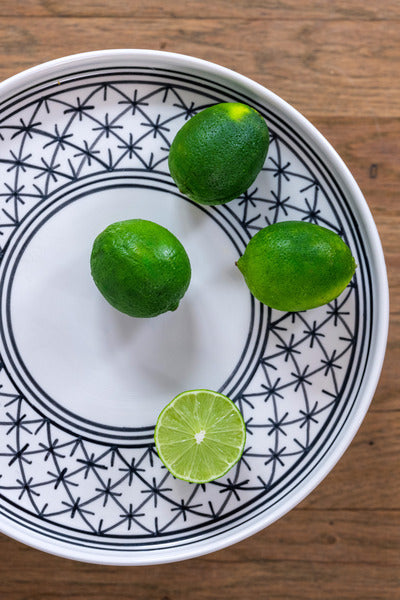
(295, 265)
(219, 152)
(140, 267)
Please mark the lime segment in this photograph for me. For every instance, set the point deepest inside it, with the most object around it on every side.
(200, 435)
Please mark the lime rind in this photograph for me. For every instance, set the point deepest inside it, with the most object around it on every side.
(140, 267)
(218, 153)
(220, 449)
(296, 265)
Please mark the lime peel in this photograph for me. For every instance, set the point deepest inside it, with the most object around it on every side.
(140, 268)
(218, 153)
(296, 265)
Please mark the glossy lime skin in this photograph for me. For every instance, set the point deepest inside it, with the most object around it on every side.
(295, 265)
(140, 267)
(219, 152)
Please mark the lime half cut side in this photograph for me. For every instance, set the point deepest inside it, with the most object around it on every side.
(200, 435)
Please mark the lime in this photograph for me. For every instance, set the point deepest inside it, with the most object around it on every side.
(140, 267)
(295, 265)
(219, 152)
(200, 435)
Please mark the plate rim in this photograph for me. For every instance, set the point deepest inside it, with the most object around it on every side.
(380, 323)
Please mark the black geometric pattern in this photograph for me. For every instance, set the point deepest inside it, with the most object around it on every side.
(115, 122)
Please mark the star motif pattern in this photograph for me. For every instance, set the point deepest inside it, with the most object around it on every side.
(105, 491)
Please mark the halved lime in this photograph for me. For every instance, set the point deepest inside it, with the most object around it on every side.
(200, 435)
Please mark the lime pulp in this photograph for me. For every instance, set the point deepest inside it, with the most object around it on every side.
(200, 435)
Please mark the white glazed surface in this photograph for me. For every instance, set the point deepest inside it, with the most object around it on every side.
(83, 384)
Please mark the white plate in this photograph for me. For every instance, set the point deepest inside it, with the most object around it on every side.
(84, 143)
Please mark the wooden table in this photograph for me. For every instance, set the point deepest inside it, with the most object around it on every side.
(337, 61)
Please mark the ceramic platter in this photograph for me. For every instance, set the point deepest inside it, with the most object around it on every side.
(84, 142)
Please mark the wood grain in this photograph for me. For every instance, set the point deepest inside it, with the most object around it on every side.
(338, 63)
(321, 67)
(295, 558)
(366, 477)
(237, 9)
